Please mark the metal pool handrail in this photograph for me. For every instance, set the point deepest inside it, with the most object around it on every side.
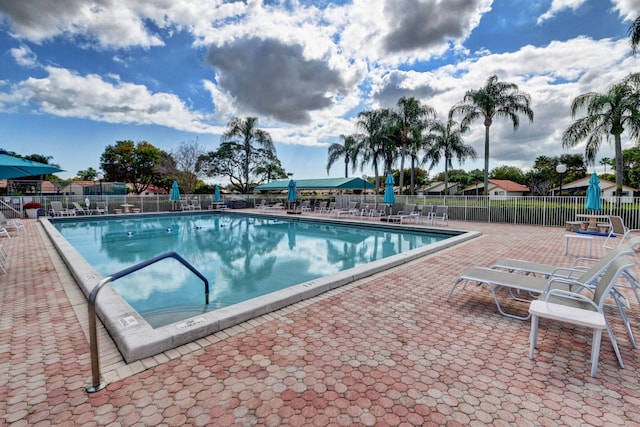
(96, 385)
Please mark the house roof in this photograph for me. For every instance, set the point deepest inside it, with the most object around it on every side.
(503, 184)
(439, 186)
(318, 184)
(584, 183)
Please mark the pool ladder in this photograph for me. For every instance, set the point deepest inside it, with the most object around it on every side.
(96, 384)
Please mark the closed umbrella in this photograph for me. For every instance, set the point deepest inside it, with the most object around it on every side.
(593, 201)
(174, 196)
(292, 195)
(16, 167)
(389, 197)
(216, 194)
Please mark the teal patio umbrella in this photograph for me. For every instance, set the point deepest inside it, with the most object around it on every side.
(174, 196)
(216, 194)
(292, 195)
(16, 167)
(593, 201)
(389, 197)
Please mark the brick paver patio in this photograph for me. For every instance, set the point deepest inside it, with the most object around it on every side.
(387, 350)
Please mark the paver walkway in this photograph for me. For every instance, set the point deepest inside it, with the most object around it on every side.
(387, 350)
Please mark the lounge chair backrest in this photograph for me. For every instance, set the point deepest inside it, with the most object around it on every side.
(77, 206)
(617, 225)
(440, 210)
(591, 275)
(609, 278)
(57, 206)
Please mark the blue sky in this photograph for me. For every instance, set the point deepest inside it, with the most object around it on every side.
(79, 75)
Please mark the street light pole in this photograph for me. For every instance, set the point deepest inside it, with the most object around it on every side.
(561, 169)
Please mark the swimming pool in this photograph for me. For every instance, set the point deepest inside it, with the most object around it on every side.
(255, 264)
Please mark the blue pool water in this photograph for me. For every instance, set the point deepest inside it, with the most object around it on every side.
(243, 257)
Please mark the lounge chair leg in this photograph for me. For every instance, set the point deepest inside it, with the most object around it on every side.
(595, 350)
(533, 336)
(615, 346)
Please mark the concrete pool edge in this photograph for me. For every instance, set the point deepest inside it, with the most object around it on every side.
(137, 340)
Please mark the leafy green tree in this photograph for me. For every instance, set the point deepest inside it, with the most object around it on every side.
(242, 146)
(346, 150)
(87, 175)
(411, 118)
(606, 114)
(271, 170)
(133, 163)
(511, 173)
(494, 100)
(445, 142)
(631, 164)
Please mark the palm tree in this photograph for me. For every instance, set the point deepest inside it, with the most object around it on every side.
(445, 141)
(634, 34)
(245, 133)
(496, 99)
(345, 150)
(411, 118)
(373, 143)
(607, 114)
(605, 161)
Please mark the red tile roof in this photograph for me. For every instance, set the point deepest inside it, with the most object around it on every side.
(507, 185)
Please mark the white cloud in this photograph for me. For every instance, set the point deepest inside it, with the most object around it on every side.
(24, 56)
(559, 6)
(628, 9)
(67, 94)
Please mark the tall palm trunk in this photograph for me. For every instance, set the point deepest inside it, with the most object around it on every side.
(619, 165)
(486, 158)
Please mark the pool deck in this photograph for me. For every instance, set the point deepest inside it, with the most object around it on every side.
(385, 350)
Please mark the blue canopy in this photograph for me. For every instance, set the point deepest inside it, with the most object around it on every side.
(389, 197)
(17, 167)
(216, 194)
(175, 192)
(292, 195)
(594, 199)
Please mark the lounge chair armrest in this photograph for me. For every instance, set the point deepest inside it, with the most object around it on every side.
(566, 272)
(567, 294)
(584, 260)
(564, 281)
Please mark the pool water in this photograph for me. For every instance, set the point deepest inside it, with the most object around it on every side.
(243, 257)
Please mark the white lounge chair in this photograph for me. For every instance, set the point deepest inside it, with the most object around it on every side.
(440, 214)
(12, 223)
(79, 209)
(579, 309)
(408, 211)
(519, 283)
(102, 208)
(618, 229)
(58, 210)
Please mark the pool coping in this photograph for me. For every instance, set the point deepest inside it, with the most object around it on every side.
(136, 339)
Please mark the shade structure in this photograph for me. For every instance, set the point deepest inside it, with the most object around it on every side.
(389, 197)
(593, 201)
(292, 194)
(16, 167)
(216, 194)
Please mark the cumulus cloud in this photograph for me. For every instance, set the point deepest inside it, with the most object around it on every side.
(275, 79)
(628, 9)
(558, 6)
(67, 94)
(24, 56)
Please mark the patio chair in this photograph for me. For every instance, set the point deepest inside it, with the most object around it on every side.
(321, 207)
(408, 211)
(578, 266)
(102, 208)
(58, 210)
(618, 229)
(364, 210)
(3, 259)
(305, 206)
(184, 205)
(79, 209)
(13, 223)
(195, 205)
(349, 210)
(276, 206)
(424, 212)
(521, 283)
(580, 309)
(440, 213)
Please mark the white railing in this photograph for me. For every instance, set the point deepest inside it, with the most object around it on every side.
(544, 211)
